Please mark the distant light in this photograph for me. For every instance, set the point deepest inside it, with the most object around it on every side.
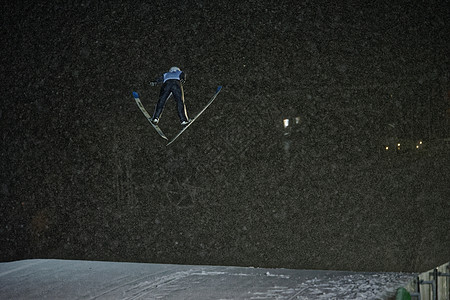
(286, 123)
(398, 145)
(387, 148)
(417, 147)
(420, 142)
(297, 120)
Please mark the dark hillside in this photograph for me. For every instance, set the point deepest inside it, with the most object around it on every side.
(84, 176)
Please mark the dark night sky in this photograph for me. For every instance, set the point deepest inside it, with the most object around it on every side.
(84, 176)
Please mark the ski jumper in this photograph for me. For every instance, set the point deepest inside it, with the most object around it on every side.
(172, 83)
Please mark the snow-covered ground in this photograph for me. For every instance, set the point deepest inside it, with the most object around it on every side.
(68, 279)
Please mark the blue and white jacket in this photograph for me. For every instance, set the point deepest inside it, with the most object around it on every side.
(178, 75)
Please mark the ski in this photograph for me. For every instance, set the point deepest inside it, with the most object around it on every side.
(147, 115)
(219, 88)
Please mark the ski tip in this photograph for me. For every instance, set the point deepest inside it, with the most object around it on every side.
(219, 88)
(135, 95)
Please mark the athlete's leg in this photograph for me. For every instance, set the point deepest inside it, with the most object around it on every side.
(178, 94)
(163, 96)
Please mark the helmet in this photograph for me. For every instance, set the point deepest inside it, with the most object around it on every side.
(174, 69)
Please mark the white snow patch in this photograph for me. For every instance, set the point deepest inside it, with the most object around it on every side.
(57, 279)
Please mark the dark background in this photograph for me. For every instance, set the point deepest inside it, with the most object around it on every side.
(84, 176)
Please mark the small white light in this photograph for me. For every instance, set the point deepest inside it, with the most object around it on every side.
(286, 123)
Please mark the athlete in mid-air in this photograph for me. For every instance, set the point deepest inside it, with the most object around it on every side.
(172, 83)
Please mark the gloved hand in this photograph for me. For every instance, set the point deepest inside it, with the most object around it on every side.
(153, 83)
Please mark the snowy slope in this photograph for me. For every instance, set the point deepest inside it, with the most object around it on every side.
(58, 279)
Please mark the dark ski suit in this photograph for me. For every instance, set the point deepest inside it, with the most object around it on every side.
(172, 83)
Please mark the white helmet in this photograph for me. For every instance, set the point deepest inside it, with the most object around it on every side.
(174, 69)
